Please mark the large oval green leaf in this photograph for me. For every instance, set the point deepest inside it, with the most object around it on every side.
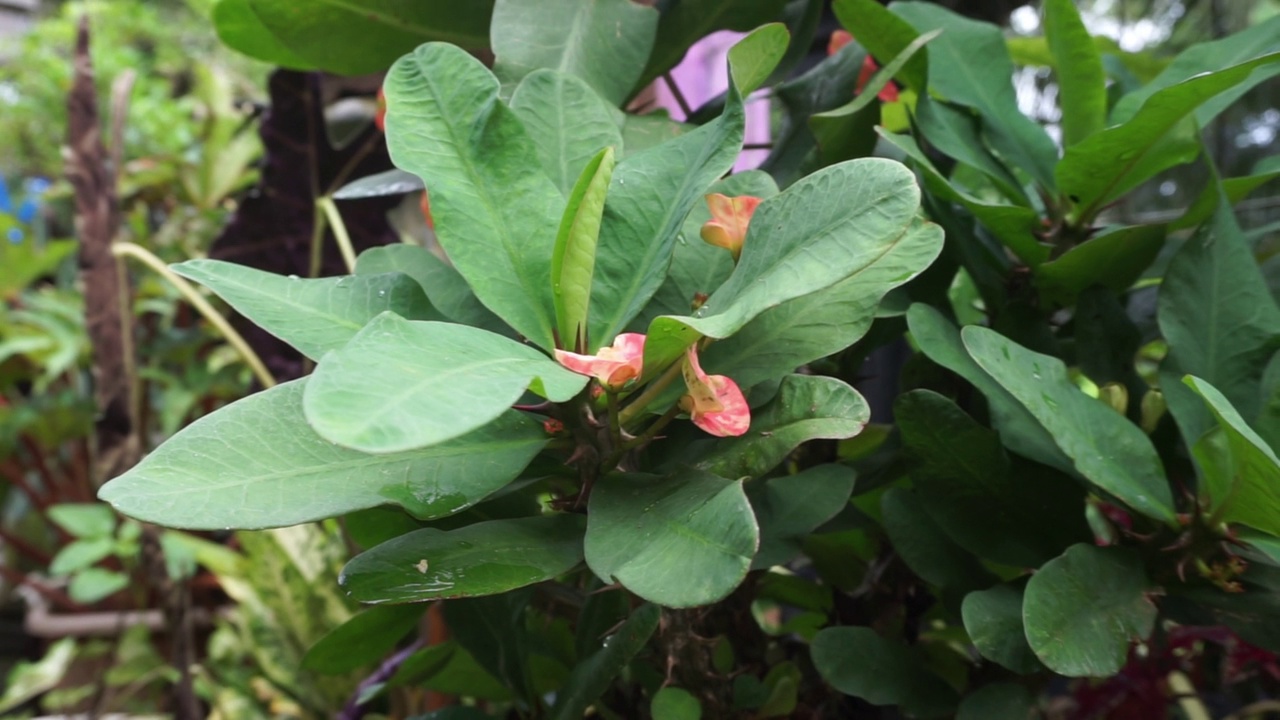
(604, 42)
(496, 212)
(448, 292)
(400, 384)
(857, 661)
(1106, 448)
(256, 464)
(1082, 610)
(486, 558)
(568, 123)
(993, 619)
(354, 38)
(679, 541)
(238, 26)
(313, 315)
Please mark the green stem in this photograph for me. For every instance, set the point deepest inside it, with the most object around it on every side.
(317, 242)
(146, 257)
(327, 205)
(615, 426)
(611, 462)
(637, 406)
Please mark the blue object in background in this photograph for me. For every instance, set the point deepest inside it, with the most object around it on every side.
(6, 203)
(16, 235)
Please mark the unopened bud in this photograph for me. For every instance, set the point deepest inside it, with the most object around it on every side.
(1115, 395)
(1153, 407)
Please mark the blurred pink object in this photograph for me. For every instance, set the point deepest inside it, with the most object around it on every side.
(704, 74)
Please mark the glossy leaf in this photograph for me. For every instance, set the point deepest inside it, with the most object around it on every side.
(1220, 321)
(673, 703)
(374, 33)
(1245, 486)
(652, 192)
(1083, 609)
(800, 234)
(574, 260)
(968, 486)
(238, 26)
(385, 391)
(595, 673)
(1116, 258)
(858, 662)
(925, 548)
(805, 408)
(364, 640)
(446, 289)
(1082, 81)
(993, 620)
(495, 210)
(969, 64)
(1019, 430)
(485, 558)
(605, 43)
(956, 131)
(568, 122)
(679, 541)
(1114, 161)
(1113, 453)
(224, 471)
(820, 324)
(392, 182)
(313, 315)
(790, 507)
(885, 35)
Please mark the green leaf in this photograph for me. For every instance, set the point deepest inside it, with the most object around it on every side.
(673, 703)
(401, 384)
(313, 315)
(790, 507)
(1082, 81)
(1006, 701)
(1112, 162)
(753, 58)
(28, 680)
(84, 520)
(354, 39)
(256, 464)
(1115, 258)
(969, 64)
(80, 554)
(884, 35)
(1246, 487)
(957, 132)
(823, 323)
(1108, 450)
(593, 675)
(641, 132)
(240, 29)
(94, 584)
(496, 211)
(967, 485)
(445, 288)
(1082, 610)
(391, 182)
(1013, 225)
(926, 549)
(485, 558)
(806, 407)
(606, 42)
(686, 22)
(1019, 430)
(568, 122)
(574, 260)
(1249, 43)
(679, 541)
(993, 619)
(1236, 189)
(857, 661)
(493, 630)
(800, 234)
(1220, 321)
(364, 640)
(653, 191)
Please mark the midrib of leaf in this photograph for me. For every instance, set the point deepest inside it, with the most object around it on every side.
(289, 301)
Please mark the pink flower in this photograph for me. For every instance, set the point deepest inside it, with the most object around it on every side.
(840, 38)
(613, 366)
(730, 217)
(714, 402)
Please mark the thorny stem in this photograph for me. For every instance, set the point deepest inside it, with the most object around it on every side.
(655, 388)
(143, 255)
(679, 96)
(330, 210)
(615, 425)
(640, 440)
